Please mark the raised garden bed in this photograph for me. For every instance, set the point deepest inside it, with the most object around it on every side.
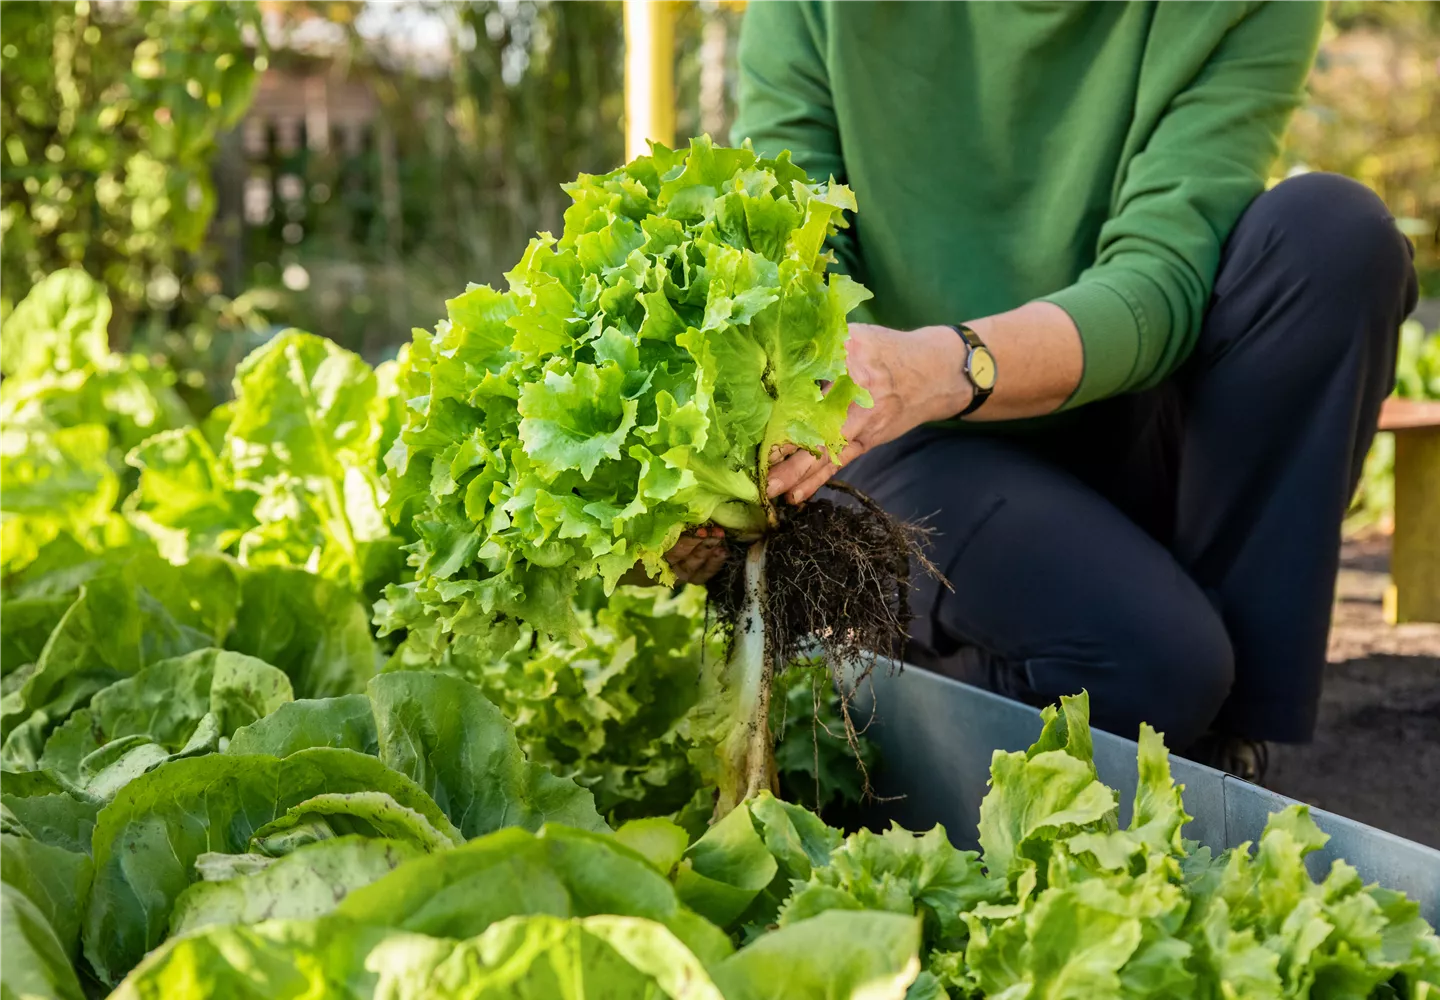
(936, 737)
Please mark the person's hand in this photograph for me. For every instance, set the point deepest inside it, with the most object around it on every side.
(695, 558)
(913, 376)
(699, 554)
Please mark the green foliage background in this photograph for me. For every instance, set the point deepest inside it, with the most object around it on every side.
(110, 118)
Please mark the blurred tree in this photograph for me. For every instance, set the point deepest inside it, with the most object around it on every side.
(110, 115)
(462, 165)
(1374, 114)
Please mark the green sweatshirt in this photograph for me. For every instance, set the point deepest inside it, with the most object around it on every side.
(1094, 155)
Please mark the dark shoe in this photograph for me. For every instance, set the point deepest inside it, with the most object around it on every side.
(1245, 759)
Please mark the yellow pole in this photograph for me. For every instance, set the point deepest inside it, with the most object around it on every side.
(649, 74)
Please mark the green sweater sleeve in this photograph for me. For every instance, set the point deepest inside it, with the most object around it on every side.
(1200, 157)
(785, 98)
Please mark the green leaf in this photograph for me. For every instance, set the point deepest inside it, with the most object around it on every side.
(302, 409)
(49, 810)
(1156, 819)
(662, 842)
(545, 957)
(35, 961)
(1073, 946)
(794, 836)
(309, 882)
(900, 872)
(25, 625)
(57, 481)
(344, 722)
(165, 703)
(271, 960)
(610, 709)
(1047, 792)
(116, 626)
(443, 733)
(538, 957)
(147, 839)
(60, 325)
(56, 880)
(368, 814)
(574, 421)
(726, 869)
(837, 954)
(561, 871)
(185, 498)
(312, 629)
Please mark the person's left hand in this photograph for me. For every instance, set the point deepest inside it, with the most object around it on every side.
(913, 376)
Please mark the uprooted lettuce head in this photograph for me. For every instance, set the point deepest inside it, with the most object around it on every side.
(624, 387)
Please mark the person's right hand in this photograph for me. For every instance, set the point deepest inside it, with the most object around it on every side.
(698, 555)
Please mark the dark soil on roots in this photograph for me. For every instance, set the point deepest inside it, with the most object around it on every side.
(837, 579)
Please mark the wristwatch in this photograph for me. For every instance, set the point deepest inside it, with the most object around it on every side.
(979, 367)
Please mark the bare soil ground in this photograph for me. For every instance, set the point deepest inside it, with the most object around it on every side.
(1376, 755)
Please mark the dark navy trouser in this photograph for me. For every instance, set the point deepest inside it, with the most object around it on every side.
(1174, 551)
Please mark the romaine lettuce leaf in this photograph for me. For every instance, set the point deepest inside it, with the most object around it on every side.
(62, 324)
(35, 961)
(58, 481)
(560, 871)
(147, 839)
(294, 480)
(164, 703)
(55, 879)
(308, 882)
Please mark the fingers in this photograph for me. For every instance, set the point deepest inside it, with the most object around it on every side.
(793, 470)
(780, 452)
(816, 478)
(697, 557)
(801, 475)
(682, 550)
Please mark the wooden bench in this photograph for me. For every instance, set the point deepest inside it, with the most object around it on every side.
(1414, 591)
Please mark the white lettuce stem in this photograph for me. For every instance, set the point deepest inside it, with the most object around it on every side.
(750, 646)
(745, 750)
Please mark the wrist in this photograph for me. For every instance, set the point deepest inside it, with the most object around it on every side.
(952, 391)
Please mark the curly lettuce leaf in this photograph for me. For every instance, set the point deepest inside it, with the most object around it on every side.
(625, 386)
(899, 872)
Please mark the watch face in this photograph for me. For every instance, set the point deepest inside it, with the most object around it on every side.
(982, 369)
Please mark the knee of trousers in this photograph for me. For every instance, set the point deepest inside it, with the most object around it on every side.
(1335, 236)
(1173, 674)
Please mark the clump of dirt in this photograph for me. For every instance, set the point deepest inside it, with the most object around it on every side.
(837, 586)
